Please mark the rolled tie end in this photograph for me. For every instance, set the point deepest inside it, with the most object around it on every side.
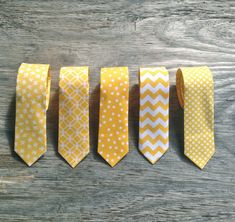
(180, 87)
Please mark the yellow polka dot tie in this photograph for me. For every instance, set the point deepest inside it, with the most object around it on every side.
(32, 100)
(154, 109)
(74, 114)
(113, 121)
(195, 90)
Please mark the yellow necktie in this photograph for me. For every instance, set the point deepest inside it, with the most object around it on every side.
(113, 120)
(154, 112)
(195, 90)
(32, 100)
(74, 114)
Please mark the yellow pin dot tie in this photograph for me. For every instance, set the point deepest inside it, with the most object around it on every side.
(32, 100)
(113, 120)
(74, 114)
(154, 112)
(195, 90)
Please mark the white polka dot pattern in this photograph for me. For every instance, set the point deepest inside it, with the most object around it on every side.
(32, 100)
(113, 121)
(195, 91)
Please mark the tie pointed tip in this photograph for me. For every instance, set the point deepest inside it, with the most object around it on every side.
(72, 165)
(112, 162)
(71, 162)
(200, 164)
(29, 162)
(152, 162)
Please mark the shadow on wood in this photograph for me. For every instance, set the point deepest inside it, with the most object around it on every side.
(53, 120)
(134, 114)
(94, 102)
(53, 123)
(134, 107)
(10, 127)
(176, 124)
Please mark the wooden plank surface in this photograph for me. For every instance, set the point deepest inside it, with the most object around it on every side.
(118, 33)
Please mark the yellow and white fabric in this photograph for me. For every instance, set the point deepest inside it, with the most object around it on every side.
(195, 90)
(154, 112)
(32, 100)
(74, 114)
(113, 120)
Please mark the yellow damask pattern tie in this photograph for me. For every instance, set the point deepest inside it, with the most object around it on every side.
(154, 112)
(32, 100)
(195, 90)
(74, 114)
(113, 120)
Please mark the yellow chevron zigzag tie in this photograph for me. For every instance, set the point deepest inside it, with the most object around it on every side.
(74, 114)
(32, 100)
(113, 120)
(154, 112)
(195, 90)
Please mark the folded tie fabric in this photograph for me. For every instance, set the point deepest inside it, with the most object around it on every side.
(32, 100)
(113, 120)
(74, 114)
(195, 90)
(154, 112)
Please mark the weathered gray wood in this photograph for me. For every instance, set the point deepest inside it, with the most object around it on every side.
(115, 33)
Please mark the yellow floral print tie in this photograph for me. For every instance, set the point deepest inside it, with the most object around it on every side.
(74, 114)
(113, 120)
(154, 112)
(32, 100)
(195, 90)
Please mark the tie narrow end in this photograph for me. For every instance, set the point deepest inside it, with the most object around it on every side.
(29, 160)
(112, 161)
(153, 158)
(73, 162)
(199, 164)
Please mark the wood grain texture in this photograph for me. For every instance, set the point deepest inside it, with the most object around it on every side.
(118, 33)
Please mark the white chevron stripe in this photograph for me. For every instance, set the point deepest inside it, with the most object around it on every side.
(154, 112)
(153, 158)
(154, 77)
(153, 135)
(153, 123)
(153, 101)
(154, 146)
(154, 89)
